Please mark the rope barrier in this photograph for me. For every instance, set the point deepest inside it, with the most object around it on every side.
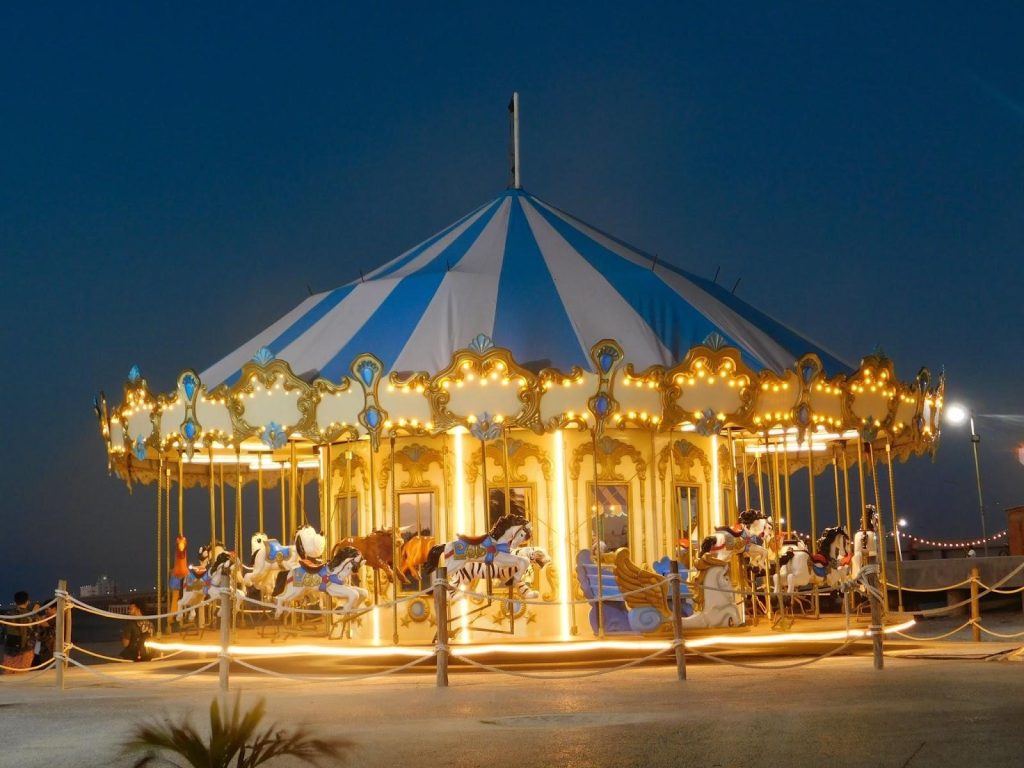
(578, 675)
(13, 618)
(794, 665)
(36, 668)
(148, 617)
(330, 678)
(137, 684)
(929, 589)
(30, 673)
(943, 636)
(96, 655)
(1000, 635)
(995, 591)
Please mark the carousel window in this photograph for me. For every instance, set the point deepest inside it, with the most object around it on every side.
(416, 529)
(609, 521)
(346, 515)
(520, 502)
(686, 519)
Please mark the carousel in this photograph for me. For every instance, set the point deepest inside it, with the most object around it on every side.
(549, 413)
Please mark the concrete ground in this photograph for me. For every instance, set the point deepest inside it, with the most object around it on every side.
(838, 712)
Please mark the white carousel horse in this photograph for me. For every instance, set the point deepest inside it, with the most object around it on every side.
(203, 582)
(714, 600)
(493, 553)
(865, 543)
(507, 575)
(331, 578)
(269, 557)
(828, 568)
(746, 537)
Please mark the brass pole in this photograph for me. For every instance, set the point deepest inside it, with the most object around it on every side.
(486, 492)
(448, 533)
(895, 528)
(846, 490)
(394, 545)
(293, 496)
(777, 485)
(373, 517)
(223, 510)
(835, 473)
(327, 513)
(284, 506)
(165, 470)
(760, 482)
(351, 493)
(600, 540)
(238, 501)
(181, 494)
(814, 517)
(785, 469)
(654, 498)
(159, 549)
(504, 454)
(880, 532)
(760, 498)
(213, 506)
(746, 477)
(863, 493)
(735, 477)
(573, 533)
(259, 492)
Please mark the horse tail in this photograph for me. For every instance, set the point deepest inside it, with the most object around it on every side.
(433, 559)
(279, 583)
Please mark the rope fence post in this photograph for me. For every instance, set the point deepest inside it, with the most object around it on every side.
(871, 583)
(225, 637)
(975, 606)
(677, 622)
(59, 640)
(441, 612)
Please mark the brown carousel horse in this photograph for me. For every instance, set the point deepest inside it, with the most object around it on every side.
(377, 549)
(414, 554)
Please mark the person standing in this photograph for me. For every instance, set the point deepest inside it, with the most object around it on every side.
(19, 641)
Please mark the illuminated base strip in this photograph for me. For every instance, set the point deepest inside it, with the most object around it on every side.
(526, 648)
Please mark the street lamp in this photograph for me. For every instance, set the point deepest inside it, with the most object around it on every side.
(957, 414)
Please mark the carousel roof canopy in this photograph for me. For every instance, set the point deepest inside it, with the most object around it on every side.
(540, 283)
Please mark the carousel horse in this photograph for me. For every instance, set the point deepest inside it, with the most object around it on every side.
(746, 537)
(178, 571)
(331, 578)
(414, 554)
(270, 558)
(507, 575)
(198, 580)
(865, 543)
(492, 553)
(714, 601)
(377, 549)
(829, 567)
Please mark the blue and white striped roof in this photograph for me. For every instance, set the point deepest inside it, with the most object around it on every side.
(540, 283)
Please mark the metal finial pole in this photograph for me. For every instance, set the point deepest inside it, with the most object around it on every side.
(513, 108)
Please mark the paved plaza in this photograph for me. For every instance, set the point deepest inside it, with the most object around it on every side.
(837, 712)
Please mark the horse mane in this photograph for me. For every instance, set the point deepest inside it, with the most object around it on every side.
(828, 536)
(341, 554)
(503, 523)
(707, 544)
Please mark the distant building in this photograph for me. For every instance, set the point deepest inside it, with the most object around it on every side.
(104, 587)
(1015, 526)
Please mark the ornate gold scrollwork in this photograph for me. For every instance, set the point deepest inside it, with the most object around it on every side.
(610, 453)
(485, 361)
(685, 454)
(702, 362)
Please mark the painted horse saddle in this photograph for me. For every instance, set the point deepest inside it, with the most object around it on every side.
(478, 548)
(277, 552)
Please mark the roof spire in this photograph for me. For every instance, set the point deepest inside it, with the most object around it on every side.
(513, 110)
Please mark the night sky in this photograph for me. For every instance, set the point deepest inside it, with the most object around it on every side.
(173, 179)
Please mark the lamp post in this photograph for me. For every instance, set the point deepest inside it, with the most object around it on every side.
(958, 414)
(899, 534)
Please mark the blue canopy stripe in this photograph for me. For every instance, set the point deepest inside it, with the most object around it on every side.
(541, 283)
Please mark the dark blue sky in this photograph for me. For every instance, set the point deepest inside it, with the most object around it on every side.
(173, 178)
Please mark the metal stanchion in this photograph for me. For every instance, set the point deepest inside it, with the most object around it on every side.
(225, 637)
(441, 612)
(975, 606)
(677, 621)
